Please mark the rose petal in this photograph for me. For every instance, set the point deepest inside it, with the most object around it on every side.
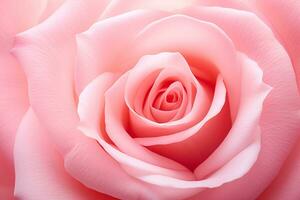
(13, 104)
(170, 110)
(283, 17)
(253, 93)
(16, 16)
(50, 74)
(133, 166)
(109, 182)
(236, 4)
(7, 177)
(117, 7)
(96, 51)
(40, 172)
(235, 168)
(96, 169)
(171, 98)
(90, 105)
(195, 149)
(286, 184)
(50, 8)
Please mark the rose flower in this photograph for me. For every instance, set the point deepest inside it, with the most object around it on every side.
(150, 100)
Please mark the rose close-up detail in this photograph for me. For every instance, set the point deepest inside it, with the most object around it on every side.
(150, 99)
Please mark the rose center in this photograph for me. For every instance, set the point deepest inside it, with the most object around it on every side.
(172, 97)
(169, 98)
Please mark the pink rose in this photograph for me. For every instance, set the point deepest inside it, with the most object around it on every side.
(166, 100)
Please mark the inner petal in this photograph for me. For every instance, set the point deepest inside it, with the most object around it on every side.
(162, 116)
(173, 78)
(172, 97)
(215, 108)
(170, 104)
(150, 82)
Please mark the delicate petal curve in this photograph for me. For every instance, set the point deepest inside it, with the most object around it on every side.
(96, 51)
(112, 183)
(283, 17)
(229, 172)
(117, 7)
(13, 105)
(286, 184)
(50, 75)
(16, 16)
(90, 107)
(133, 166)
(50, 8)
(236, 4)
(253, 94)
(40, 172)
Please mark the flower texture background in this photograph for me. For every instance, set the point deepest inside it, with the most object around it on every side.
(150, 100)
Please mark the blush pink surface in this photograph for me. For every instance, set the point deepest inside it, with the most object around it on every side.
(88, 64)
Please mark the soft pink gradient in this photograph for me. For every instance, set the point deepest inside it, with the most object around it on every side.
(184, 99)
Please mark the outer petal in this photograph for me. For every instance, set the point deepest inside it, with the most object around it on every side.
(16, 16)
(7, 178)
(283, 17)
(99, 47)
(286, 184)
(50, 74)
(90, 107)
(251, 36)
(236, 4)
(40, 172)
(117, 7)
(51, 7)
(13, 104)
(242, 132)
